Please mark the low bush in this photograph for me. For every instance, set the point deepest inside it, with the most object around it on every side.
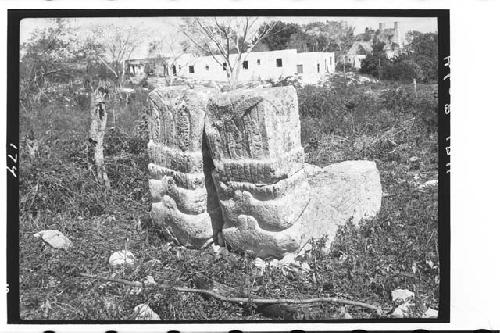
(347, 110)
(397, 99)
(285, 81)
(404, 71)
(341, 66)
(341, 121)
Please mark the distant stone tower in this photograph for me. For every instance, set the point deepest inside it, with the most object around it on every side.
(381, 26)
(397, 34)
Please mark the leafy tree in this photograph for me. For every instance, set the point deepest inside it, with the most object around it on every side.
(279, 34)
(331, 36)
(422, 44)
(423, 50)
(46, 57)
(419, 59)
(378, 48)
(299, 41)
(375, 61)
(429, 66)
(367, 35)
(370, 65)
(361, 50)
(57, 54)
(402, 70)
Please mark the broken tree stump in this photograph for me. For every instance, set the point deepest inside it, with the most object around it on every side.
(98, 118)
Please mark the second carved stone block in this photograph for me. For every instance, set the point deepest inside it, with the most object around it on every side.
(254, 139)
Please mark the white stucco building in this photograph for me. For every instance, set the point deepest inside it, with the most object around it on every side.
(355, 60)
(309, 66)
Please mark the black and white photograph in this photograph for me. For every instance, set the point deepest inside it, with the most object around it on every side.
(230, 166)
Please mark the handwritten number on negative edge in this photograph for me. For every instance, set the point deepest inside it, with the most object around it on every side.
(12, 157)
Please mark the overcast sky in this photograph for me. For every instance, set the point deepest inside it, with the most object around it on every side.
(165, 26)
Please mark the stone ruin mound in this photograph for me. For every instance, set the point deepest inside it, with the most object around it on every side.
(230, 165)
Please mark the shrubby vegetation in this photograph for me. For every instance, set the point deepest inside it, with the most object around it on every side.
(58, 67)
(347, 110)
(418, 60)
(331, 36)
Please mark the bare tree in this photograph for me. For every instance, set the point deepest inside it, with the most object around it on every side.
(118, 44)
(167, 50)
(111, 45)
(47, 56)
(227, 39)
(107, 46)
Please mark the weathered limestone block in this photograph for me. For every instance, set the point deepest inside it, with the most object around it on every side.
(178, 114)
(190, 230)
(284, 187)
(177, 172)
(187, 201)
(275, 206)
(190, 181)
(255, 133)
(254, 140)
(248, 236)
(358, 194)
(174, 159)
(339, 192)
(266, 170)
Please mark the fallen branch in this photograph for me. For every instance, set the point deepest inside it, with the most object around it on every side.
(240, 300)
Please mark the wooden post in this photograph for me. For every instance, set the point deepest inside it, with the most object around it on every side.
(98, 118)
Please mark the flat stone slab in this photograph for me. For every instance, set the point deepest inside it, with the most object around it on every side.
(259, 123)
(54, 238)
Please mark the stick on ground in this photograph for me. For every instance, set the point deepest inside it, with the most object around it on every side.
(241, 300)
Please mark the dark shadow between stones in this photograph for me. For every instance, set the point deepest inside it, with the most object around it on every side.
(213, 207)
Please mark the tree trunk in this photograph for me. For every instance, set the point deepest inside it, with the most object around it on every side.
(235, 73)
(98, 118)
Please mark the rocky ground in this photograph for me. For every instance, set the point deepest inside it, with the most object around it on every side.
(381, 263)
